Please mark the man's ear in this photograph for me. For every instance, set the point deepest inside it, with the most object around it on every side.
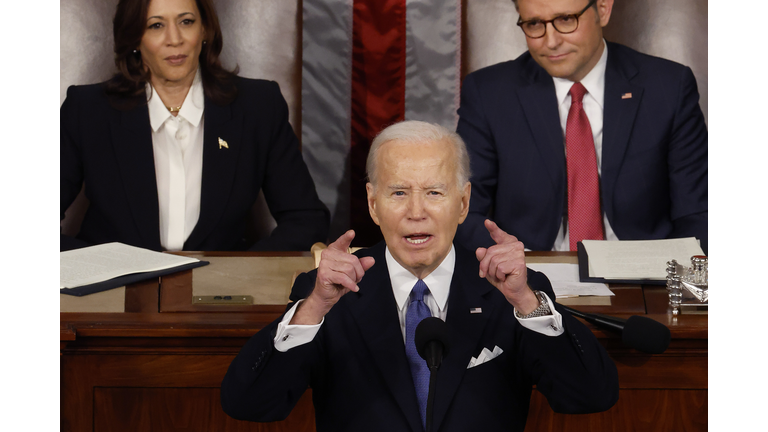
(371, 191)
(604, 9)
(465, 202)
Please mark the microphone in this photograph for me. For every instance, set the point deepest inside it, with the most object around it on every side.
(638, 332)
(433, 339)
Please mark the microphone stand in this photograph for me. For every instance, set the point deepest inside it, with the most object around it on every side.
(434, 358)
(431, 397)
(433, 340)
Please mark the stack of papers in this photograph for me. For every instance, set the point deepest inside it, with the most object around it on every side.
(105, 262)
(565, 282)
(638, 259)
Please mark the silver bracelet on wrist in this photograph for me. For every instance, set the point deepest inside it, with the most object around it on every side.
(542, 310)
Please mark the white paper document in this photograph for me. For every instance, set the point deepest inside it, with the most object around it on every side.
(107, 261)
(565, 280)
(638, 259)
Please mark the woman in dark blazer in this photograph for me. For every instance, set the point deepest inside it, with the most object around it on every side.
(174, 149)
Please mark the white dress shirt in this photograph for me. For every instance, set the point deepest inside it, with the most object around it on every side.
(288, 336)
(177, 143)
(594, 105)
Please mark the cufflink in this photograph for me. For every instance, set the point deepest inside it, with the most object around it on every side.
(223, 144)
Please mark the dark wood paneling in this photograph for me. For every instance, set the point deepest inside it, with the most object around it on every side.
(167, 325)
(131, 409)
(142, 296)
(636, 411)
(150, 366)
(149, 370)
(176, 292)
(116, 389)
(678, 368)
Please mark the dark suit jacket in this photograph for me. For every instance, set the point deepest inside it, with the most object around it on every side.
(654, 157)
(359, 374)
(110, 151)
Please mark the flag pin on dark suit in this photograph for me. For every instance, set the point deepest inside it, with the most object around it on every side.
(222, 143)
(475, 310)
(626, 96)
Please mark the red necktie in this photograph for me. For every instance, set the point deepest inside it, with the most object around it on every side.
(585, 218)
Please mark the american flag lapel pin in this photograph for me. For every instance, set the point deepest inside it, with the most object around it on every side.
(626, 96)
(222, 144)
(475, 310)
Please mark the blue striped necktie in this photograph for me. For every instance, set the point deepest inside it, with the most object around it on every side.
(417, 311)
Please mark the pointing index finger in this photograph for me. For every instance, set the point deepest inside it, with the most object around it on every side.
(497, 234)
(343, 242)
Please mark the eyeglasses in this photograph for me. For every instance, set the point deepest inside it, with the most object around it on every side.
(565, 24)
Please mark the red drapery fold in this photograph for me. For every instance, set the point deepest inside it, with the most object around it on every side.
(378, 94)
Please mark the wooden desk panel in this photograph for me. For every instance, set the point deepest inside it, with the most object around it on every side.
(105, 301)
(647, 410)
(267, 276)
(187, 409)
(151, 370)
(140, 366)
(155, 385)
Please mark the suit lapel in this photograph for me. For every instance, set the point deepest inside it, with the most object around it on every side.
(132, 141)
(375, 311)
(467, 291)
(622, 100)
(540, 107)
(219, 166)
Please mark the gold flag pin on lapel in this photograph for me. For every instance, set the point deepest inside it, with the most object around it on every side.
(223, 144)
(626, 96)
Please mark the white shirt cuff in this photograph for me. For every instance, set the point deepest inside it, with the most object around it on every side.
(289, 336)
(549, 325)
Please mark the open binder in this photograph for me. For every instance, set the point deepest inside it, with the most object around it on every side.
(127, 279)
(584, 272)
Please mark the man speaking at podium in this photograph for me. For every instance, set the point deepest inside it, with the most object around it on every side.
(349, 334)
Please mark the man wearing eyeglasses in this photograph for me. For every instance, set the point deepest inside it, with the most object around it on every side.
(580, 138)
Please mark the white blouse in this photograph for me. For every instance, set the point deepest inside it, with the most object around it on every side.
(177, 143)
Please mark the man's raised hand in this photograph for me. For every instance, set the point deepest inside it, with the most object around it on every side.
(338, 273)
(503, 265)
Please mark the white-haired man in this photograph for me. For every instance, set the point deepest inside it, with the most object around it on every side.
(350, 333)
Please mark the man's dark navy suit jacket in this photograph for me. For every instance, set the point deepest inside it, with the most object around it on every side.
(360, 378)
(653, 183)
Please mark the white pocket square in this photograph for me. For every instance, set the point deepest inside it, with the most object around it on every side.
(485, 356)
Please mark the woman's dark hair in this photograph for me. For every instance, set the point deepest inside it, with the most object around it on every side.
(126, 87)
